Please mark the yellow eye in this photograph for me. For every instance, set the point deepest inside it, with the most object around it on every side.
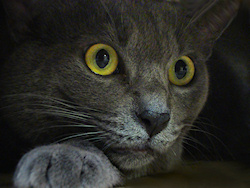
(182, 71)
(102, 59)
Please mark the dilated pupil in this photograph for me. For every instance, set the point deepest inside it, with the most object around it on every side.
(102, 58)
(180, 69)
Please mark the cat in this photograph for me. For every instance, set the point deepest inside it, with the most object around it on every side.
(105, 90)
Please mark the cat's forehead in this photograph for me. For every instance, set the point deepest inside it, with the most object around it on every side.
(146, 30)
(64, 20)
(142, 33)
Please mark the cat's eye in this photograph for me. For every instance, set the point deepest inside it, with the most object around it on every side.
(102, 59)
(181, 72)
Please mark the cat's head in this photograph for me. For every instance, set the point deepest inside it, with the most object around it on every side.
(129, 76)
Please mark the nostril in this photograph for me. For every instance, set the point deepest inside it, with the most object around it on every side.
(154, 122)
(147, 118)
(145, 121)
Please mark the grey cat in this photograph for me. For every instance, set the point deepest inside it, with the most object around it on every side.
(106, 90)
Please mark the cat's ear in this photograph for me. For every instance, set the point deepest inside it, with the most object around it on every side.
(210, 18)
(192, 6)
(19, 14)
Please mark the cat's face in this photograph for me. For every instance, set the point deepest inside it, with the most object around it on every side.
(136, 114)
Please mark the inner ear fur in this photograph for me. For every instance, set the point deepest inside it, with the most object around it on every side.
(208, 23)
(215, 17)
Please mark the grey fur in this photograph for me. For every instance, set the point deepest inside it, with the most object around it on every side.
(51, 93)
(63, 165)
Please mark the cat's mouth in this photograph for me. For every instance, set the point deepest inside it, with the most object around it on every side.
(131, 157)
(134, 150)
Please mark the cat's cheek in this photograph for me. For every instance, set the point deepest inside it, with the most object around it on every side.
(174, 155)
(164, 141)
(188, 101)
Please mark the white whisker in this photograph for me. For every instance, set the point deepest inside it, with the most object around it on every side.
(187, 137)
(196, 149)
(80, 135)
(216, 138)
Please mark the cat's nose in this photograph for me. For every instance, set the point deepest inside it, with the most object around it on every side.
(154, 122)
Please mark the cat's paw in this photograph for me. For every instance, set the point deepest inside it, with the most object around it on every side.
(65, 166)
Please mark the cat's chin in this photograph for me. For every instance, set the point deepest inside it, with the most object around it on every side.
(129, 159)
